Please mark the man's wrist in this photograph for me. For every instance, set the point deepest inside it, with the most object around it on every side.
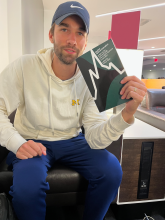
(127, 116)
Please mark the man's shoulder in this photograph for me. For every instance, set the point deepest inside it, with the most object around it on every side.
(29, 60)
(29, 57)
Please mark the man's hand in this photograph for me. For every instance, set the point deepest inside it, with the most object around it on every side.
(136, 89)
(30, 149)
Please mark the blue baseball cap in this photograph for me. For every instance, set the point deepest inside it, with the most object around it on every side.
(71, 8)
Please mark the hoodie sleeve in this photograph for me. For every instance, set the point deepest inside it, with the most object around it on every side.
(100, 131)
(11, 96)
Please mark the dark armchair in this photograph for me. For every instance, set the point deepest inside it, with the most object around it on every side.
(67, 187)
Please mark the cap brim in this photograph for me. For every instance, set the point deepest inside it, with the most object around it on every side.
(60, 19)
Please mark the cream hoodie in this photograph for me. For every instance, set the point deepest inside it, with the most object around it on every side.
(49, 108)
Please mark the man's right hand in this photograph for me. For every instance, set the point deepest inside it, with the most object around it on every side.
(30, 149)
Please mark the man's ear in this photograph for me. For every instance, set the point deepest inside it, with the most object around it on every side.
(51, 37)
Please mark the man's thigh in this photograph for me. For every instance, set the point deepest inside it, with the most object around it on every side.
(32, 167)
(91, 163)
(30, 173)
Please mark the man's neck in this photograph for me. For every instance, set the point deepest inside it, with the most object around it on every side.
(63, 71)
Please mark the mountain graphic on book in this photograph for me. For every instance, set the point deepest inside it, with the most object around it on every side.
(102, 70)
(96, 74)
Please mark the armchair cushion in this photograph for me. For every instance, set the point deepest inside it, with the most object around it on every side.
(154, 100)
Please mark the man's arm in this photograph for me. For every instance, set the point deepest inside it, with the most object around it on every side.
(11, 96)
(101, 131)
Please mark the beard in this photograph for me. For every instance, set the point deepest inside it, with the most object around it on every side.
(66, 59)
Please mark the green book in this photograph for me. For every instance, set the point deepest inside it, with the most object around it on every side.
(103, 70)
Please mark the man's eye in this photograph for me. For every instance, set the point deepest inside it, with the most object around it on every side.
(64, 30)
(80, 33)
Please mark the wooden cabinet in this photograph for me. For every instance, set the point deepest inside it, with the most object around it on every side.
(130, 161)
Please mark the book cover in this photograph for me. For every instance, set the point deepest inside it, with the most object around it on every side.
(102, 70)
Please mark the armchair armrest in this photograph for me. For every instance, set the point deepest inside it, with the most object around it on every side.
(3, 153)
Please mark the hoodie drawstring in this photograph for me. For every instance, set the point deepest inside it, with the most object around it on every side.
(76, 97)
(51, 110)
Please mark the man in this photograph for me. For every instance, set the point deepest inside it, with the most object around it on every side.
(44, 88)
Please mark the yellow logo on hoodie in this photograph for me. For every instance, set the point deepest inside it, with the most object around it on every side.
(74, 102)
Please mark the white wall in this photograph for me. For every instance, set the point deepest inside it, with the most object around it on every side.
(14, 29)
(90, 46)
(32, 26)
(48, 15)
(21, 29)
(132, 61)
(4, 58)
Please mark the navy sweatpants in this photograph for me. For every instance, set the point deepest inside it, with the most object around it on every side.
(101, 168)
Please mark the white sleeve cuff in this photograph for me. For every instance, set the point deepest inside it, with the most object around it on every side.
(118, 122)
(15, 142)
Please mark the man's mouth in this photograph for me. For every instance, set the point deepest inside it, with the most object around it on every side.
(70, 51)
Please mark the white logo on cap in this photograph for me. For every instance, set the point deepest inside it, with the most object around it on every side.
(72, 6)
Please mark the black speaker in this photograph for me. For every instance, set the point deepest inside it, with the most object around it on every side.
(145, 169)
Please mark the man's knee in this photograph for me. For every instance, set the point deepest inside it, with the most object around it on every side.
(112, 172)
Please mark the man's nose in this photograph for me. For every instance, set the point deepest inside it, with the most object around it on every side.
(72, 39)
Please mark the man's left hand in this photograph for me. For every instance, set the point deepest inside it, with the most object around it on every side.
(136, 89)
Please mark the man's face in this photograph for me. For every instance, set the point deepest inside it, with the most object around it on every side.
(70, 39)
